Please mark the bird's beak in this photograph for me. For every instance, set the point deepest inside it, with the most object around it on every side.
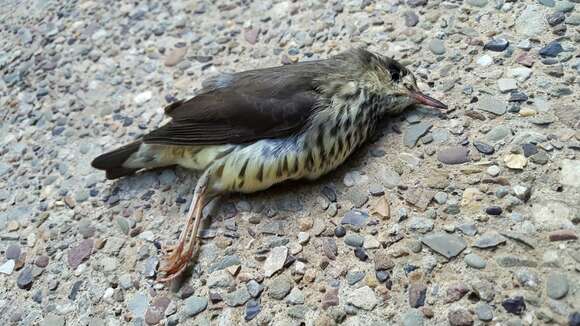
(421, 98)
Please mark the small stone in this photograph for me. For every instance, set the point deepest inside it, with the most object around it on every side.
(477, 3)
(412, 317)
(455, 292)
(414, 132)
(454, 155)
(460, 317)
(143, 98)
(254, 288)
(437, 46)
(493, 170)
(417, 294)
(467, 228)
(251, 35)
(551, 50)
(491, 104)
(13, 252)
(483, 148)
(237, 297)
(484, 60)
(8, 267)
(275, 260)
(354, 240)
(280, 286)
(353, 277)
(483, 311)
(475, 261)
(79, 253)
(53, 320)
(175, 56)
(497, 45)
(330, 298)
(194, 305)
(24, 280)
(556, 285)
(489, 240)
(411, 19)
(419, 197)
(339, 231)
(360, 254)
(562, 235)
(295, 297)
(41, 261)
(515, 161)
(574, 319)
(445, 244)
(363, 298)
(355, 217)
(253, 308)
(513, 261)
(441, 197)
(507, 84)
(494, 210)
(556, 18)
(521, 74)
(137, 305)
(420, 224)
(515, 305)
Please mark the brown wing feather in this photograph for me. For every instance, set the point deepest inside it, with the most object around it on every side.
(244, 107)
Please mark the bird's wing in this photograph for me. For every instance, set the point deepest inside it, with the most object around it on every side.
(244, 107)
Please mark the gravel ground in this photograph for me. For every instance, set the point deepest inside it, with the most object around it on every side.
(465, 217)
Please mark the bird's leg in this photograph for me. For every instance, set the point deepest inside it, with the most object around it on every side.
(178, 257)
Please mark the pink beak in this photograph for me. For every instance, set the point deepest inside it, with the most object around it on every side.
(427, 100)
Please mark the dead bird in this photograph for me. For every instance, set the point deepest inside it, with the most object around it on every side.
(250, 130)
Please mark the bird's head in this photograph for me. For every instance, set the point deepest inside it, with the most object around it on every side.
(391, 81)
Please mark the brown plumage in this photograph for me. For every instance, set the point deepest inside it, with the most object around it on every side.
(250, 130)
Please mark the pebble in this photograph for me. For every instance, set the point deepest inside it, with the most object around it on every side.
(237, 297)
(412, 317)
(295, 297)
(556, 285)
(562, 235)
(143, 98)
(483, 311)
(417, 294)
(411, 19)
(253, 308)
(339, 231)
(53, 320)
(497, 45)
(7, 267)
(475, 261)
(194, 305)
(515, 161)
(414, 132)
(280, 286)
(453, 155)
(25, 278)
(493, 170)
(354, 240)
(483, 147)
(515, 305)
(551, 50)
(137, 305)
(492, 104)
(507, 85)
(355, 217)
(494, 210)
(531, 22)
(484, 60)
(445, 244)
(460, 317)
(275, 260)
(79, 253)
(13, 252)
(363, 298)
(421, 224)
(488, 240)
(437, 46)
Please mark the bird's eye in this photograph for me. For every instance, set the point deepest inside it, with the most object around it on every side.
(397, 71)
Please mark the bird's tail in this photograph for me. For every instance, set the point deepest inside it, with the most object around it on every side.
(113, 162)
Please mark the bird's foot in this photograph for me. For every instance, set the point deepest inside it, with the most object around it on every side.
(176, 260)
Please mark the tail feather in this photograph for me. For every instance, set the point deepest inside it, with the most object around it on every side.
(112, 162)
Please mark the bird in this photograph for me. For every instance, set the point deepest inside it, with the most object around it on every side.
(248, 131)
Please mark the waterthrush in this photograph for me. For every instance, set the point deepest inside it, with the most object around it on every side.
(250, 130)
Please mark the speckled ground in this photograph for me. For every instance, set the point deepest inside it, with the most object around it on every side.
(464, 217)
